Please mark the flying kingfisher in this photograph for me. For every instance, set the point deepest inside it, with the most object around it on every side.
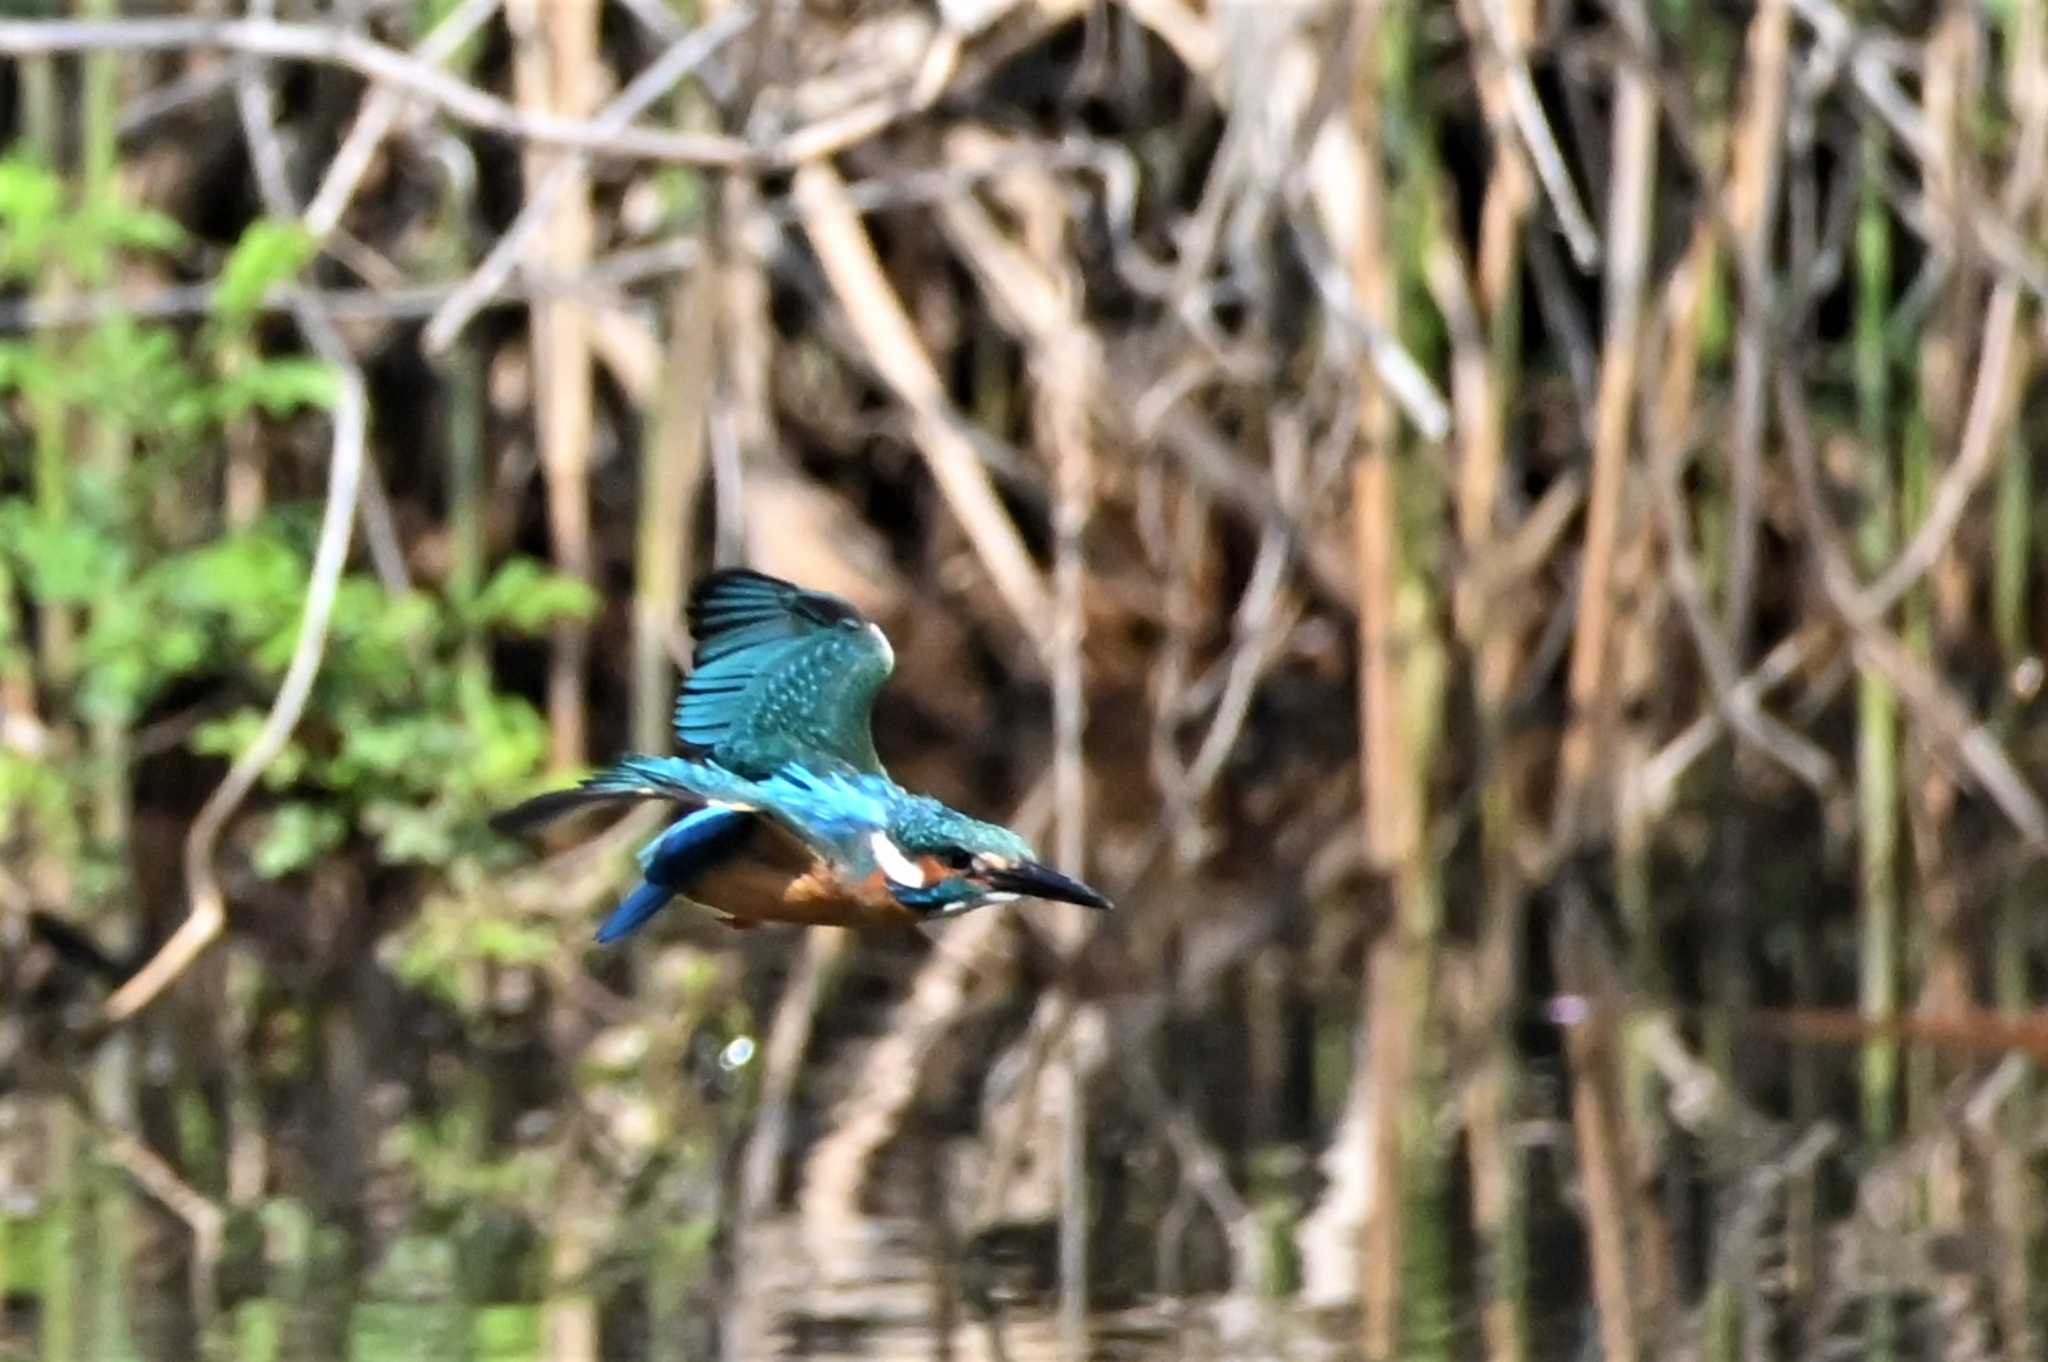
(791, 817)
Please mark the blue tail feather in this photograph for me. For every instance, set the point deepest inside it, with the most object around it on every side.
(668, 863)
(638, 906)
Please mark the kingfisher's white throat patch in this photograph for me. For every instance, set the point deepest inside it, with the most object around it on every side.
(899, 868)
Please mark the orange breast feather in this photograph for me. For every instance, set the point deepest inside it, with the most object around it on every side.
(775, 878)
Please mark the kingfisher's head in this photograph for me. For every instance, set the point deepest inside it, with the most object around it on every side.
(939, 862)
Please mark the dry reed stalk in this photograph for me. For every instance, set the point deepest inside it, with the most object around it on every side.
(1063, 361)
(1594, 1051)
(745, 411)
(1390, 824)
(1591, 679)
(1945, 986)
(1485, 334)
(1062, 377)
(1751, 198)
(557, 72)
(2014, 1184)
(1752, 194)
(782, 1062)
(1630, 186)
(672, 473)
(877, 315)
(1391, 1055)
(568, 1321)
(1639, 663)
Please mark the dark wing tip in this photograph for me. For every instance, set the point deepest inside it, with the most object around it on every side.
(731, 598)
(543, 809)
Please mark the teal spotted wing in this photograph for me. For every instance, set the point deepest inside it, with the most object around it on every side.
(780, 674)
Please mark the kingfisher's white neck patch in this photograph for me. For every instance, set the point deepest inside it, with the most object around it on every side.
(888, 653)
(898, 867)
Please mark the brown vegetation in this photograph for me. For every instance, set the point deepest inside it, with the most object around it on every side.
(1502, 533)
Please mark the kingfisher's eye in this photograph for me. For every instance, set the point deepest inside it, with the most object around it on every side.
(957, 858)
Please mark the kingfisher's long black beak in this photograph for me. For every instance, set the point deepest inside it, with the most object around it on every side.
(1043, 882)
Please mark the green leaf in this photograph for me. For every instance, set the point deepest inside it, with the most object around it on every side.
(233, 734)
(66, 562)
(142, 229)
(279, 387)
(16, 359)
(137, 373)
(412, 836)
(269, 253)
(511, 741)
(524, 597)
(31, 215)
(513, 943)
(294, 836)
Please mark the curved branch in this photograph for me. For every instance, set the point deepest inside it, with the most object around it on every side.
(377, 62)
(207, 914)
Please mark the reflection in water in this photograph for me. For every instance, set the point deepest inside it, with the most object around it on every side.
(883, 1297)
(94, 1273)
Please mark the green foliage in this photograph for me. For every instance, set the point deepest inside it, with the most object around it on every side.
(433, 951)
(442, 1153)
(269, 253)
(298, 834)
(65, 562)
(409, 748)
(523, 597)
(276, 387)
(35, 797)
(40, 230)
(405, 744)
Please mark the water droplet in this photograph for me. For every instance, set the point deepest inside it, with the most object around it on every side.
(737, 1054)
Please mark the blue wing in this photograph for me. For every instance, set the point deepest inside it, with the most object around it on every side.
(671, 861)
(780, 674)
(827, 805)
(628, 780)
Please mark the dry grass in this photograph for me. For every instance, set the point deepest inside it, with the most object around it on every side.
(1486, 506)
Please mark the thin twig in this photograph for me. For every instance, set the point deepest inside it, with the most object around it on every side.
(1525, 109)
(513, 245)
(605, 279)
(876, 312)
(1941, 715)
(379, 113)
(375, 61)
(206, 912)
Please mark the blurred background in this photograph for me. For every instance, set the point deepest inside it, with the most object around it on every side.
(1502, 532)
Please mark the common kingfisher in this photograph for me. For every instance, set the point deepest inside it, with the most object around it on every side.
(791, 817)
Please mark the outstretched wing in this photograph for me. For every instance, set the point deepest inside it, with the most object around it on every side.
(631, 779)
(780, 675)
